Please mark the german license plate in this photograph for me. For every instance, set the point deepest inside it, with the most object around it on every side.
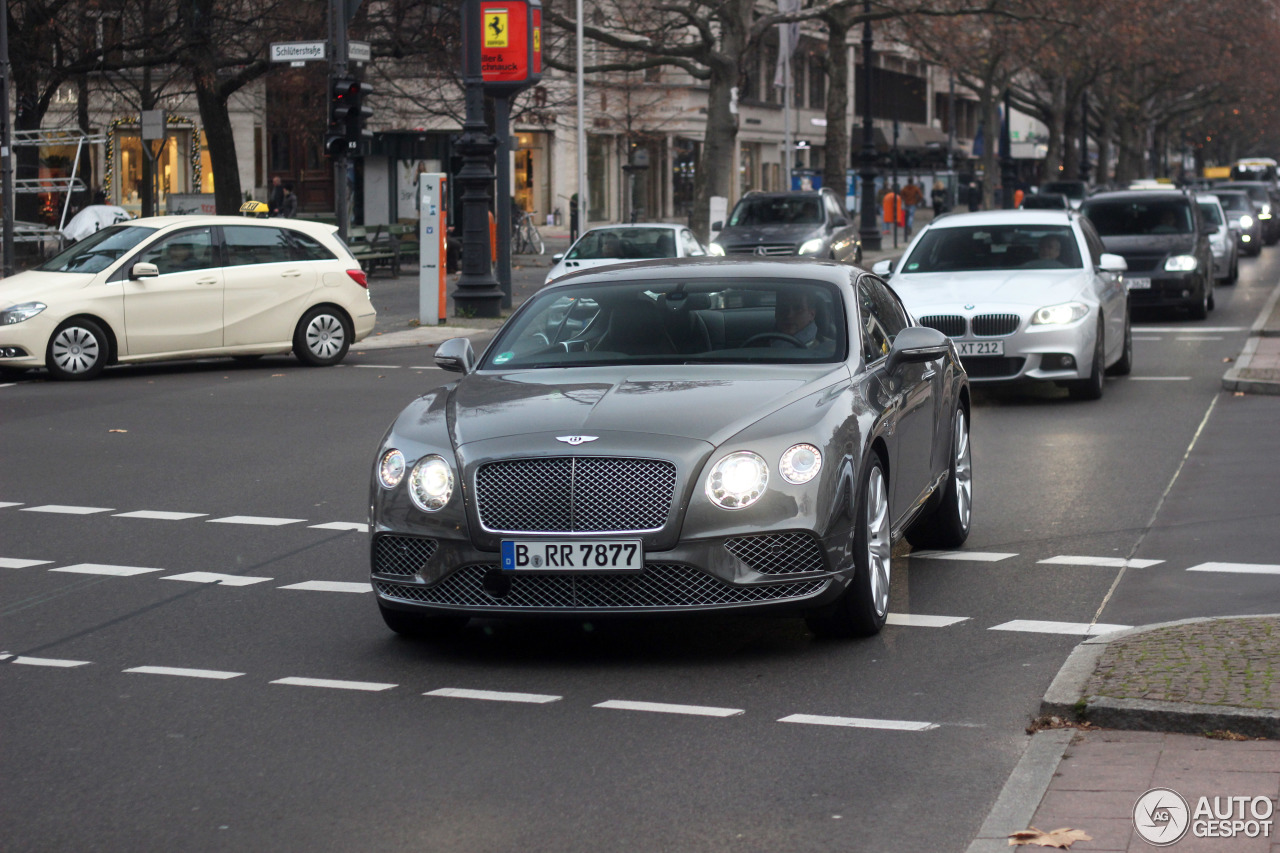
(574, 555)
(980, 348)
(1138, 283)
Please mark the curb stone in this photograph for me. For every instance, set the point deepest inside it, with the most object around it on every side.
(1023, 791)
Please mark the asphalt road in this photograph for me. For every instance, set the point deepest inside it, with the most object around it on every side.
(195, 521)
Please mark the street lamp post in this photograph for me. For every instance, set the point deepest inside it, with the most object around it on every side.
(869, 231)
(1008, 175)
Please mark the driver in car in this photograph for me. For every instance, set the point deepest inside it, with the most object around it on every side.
(795, 316)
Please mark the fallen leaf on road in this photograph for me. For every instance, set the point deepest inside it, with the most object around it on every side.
(274, 375)
(1238, 394)
(1060, 838)
(117, 430)
(1226, 360)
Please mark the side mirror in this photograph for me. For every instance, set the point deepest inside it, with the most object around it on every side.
(915, 344)
(456, 356)
(882, 268)
(1112, 263)
(717, 226)
(840, 222)
(144, 270)
(555, 259)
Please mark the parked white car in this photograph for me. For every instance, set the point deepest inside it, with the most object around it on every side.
(186, 287)
(618, 244)
(1024, 294)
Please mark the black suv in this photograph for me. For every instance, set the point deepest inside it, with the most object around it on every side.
(812, 223)
(1165, 241)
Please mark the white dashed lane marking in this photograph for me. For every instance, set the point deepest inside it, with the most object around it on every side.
(68, 510)
(975, 556)
(1176, 329)
(1159, 378)
(1101, 562)
(100, 569)
(6, 504)
(919, 620)
(214, 577)
(260, 520)
(1237, 568)
(64, 664)
(160, 515)
(493, 695)
(664, 708)
(1038, 627)
(369, 686)
(330, 586)
(860, 723)
(358, 526)
(15, 563)
(187, 673)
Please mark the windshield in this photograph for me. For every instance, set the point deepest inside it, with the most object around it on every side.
(1137, 218)
(720, 321)
(1210, 212)
(1071, 189)
(97, 251)
(627, 243)
(1257, 192)
(994, 247)
(777, 210)
(1236, 201)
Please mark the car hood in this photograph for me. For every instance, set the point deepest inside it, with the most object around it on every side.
(711, 405)
(564, 267)
(768, 233)
(32, 285)
(1029, 288)
(1150, 244)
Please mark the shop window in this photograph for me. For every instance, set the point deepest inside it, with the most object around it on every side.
(171, 167)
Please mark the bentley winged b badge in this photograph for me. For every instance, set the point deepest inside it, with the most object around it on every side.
(575, 440)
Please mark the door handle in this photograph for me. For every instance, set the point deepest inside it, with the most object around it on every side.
(207, 281)
(929, 374)
(291, 273)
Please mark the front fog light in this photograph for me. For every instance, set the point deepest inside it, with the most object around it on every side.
(800, 464)
(431, 483)
(391, 469)
(737, 480)
(1060, 315)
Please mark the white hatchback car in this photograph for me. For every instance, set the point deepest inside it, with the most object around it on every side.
(618, 244)
(186, 287)
(1025, 295)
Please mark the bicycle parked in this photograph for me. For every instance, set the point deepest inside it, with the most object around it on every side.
(525, 238)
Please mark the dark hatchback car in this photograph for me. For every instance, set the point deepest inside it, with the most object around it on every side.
(812, 223)
(1266, 201)
(1164, 240)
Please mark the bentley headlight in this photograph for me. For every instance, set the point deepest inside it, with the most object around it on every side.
(737, 480)
(431, 483)
(800, 463)
(1181, 263)
(715, 249)
(391, 469)
(1246, 221)
(18, 313)
(811, 247)
(1060, 315)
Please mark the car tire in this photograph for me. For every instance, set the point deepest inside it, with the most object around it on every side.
(1233, 274)
(421, 626)
(1124, 366)
(1199, 309)
(947, 524)
(863, 607)
(322, 337)
(79, 349)
(1091, 388)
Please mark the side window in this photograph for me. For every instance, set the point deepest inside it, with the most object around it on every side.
(881, 316)
(833, 207)
(1093, 241)
(183, 251)
(256, 244)
(692, 248)
(307, 248)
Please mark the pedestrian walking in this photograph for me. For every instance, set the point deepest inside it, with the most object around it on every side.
(275, 199)
(939, 198)
(911, 199)
(573, 217)
(289, 206)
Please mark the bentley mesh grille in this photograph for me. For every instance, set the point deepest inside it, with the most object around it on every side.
(575, 494)
(991, 325)
(660, 585)
(778, 553)
(755, 249)
(401, 555)
(951, 325)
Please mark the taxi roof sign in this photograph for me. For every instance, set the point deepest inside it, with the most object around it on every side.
(255, 208)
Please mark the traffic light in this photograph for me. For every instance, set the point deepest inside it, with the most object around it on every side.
(344, 94)
(358, 112)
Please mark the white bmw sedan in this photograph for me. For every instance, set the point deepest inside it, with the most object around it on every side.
(172, 287)
(619, 244)
(1025, 295)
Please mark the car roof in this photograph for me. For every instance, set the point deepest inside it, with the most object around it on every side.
(1138, 195)
(182, 221)
(729, 269)
(672, 225)
(1006, 217)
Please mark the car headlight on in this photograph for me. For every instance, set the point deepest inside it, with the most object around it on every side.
(737, 480)
(18, 313)
(715, 249)
(811, 247)
(800, 464)
(1246, 221)
(1060, 315)
(391, 469)
(431, 483)
(1181, 263)
(1266, 212)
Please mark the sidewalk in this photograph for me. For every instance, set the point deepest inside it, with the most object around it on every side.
(1190, 707)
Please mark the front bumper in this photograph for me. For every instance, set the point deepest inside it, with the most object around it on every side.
(1038, 353)
(1169, 290)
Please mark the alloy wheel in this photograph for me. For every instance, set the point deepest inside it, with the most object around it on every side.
(879, 546)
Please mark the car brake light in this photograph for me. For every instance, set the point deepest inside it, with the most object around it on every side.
(359, 277)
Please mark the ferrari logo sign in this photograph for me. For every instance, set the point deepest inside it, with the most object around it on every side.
(496, 32)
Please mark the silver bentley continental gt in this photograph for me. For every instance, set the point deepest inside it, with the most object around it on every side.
(676, 436)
